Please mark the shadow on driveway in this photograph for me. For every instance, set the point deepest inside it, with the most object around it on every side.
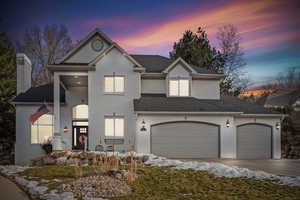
(285, 167)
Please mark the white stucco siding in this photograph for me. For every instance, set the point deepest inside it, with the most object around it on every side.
(86, 54)
(179, 71)
(101, 104)
(276, 133)
(154, 86)
(206, 89)
(228, 135)
(24, 150)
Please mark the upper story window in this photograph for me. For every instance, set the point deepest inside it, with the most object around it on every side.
(114, 126)
(114, 84)
(179, 87)
(42, 129)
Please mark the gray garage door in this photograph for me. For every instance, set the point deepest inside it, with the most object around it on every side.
(254, 141)
(185, 140)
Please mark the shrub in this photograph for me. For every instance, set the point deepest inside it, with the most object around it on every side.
(47, 146)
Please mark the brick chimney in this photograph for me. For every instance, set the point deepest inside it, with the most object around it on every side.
(23, 73)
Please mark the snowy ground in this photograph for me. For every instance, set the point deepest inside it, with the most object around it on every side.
(219, 169)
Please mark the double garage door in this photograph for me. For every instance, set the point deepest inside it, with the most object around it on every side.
(185, 140)
(202, 140)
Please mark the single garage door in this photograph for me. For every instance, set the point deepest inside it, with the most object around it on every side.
(185, 140)
(254, 141)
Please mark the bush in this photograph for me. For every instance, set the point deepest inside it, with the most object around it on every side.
(47, 146)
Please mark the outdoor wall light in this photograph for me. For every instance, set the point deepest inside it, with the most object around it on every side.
(66, 129)
(143, 126)
(277, 125)
(227, 123)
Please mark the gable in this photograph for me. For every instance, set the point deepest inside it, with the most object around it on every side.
(179, 70)
(86, 53)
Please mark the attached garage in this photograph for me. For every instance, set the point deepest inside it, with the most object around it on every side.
(254, 141)
(185, 140)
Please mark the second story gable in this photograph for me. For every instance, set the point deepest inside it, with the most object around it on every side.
(114, 71)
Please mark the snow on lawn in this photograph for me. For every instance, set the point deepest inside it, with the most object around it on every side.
(12, 169)
(219, 169)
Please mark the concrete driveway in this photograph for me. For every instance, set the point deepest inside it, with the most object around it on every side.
(284, 167)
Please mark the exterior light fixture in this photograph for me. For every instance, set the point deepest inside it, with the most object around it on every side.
(277, 125)
(78, 82)
(66, 129)
(143, 126)
(227, 123)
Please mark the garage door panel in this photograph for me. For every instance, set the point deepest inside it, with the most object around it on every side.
(185, 140)
(254, 141)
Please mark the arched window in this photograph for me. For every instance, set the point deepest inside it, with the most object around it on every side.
(81, 112)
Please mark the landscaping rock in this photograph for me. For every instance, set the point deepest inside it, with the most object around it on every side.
(48, 160)
(21, 181)
(67, 196)
(61, 161)
(97, 186)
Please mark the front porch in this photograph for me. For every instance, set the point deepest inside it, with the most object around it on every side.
(71, 122)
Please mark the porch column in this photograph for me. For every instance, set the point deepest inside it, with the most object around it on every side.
(57, 140)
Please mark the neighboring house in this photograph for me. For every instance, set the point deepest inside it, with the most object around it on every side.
(282, 98)
(146, 103)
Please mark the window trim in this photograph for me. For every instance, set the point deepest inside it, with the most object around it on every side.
(178, 79)
(114, 117)
(114, 93)
(37, 125)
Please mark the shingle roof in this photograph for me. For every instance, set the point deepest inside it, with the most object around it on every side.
(283, 98)
(159, 102)
(43, 93)
(157, 63)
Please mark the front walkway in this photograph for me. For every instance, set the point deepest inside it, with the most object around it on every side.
(9, 191)
(285, 167)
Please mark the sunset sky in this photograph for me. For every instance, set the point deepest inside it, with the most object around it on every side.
(270, 29)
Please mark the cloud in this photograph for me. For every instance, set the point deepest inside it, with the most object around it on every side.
(252, 18)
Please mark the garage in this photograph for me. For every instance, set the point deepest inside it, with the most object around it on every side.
(254, 141)
(185, 140)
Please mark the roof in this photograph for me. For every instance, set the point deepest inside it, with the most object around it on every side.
(161, 103)
(157, 64)
(282, 98)
(43, 93)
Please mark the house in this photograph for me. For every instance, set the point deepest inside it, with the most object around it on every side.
(146, 103)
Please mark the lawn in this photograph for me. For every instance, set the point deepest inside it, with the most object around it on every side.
(167, 183)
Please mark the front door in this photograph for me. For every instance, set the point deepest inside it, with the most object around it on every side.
(78, 133)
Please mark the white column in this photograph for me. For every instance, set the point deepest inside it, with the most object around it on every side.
(57, 140)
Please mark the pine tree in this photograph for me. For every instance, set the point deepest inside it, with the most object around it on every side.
(7, 74)
(196, 50)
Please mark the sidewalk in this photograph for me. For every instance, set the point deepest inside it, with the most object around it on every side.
(9, 191)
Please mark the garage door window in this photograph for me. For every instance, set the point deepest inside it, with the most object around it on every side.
(179, 87)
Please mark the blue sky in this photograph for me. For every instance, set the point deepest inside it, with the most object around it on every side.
(270, 29)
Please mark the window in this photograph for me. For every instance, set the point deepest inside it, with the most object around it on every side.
(81, 112)
(114, 126)
(114, 84)
(179, 87)
(42, 129)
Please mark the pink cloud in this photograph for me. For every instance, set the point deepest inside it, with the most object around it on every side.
(251, 17)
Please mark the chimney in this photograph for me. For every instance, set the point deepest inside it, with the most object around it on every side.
(23, 73)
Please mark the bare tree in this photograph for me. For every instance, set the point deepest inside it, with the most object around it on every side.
(229, 43)
(44, 46)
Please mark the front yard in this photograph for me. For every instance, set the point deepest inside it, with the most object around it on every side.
(147, 181)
